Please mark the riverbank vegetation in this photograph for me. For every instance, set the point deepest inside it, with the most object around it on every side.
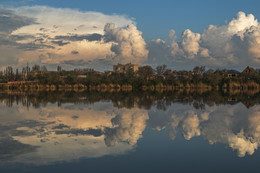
(145, 78)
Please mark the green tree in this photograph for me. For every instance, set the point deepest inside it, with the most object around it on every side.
(199, 69)
(145, 71)
(36, 68)
(43, 68)
(161, 69)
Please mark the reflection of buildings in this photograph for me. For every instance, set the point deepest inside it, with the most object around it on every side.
(232, 99)
(123, 68)
(248, 104)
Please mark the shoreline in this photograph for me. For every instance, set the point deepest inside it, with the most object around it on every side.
(226, 87)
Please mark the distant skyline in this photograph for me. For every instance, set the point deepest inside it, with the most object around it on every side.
(218, 34)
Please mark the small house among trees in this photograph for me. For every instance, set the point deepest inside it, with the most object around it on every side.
(232, 73)
(248, 70)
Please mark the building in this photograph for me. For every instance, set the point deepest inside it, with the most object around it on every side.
(123, 68)
(248, 70)
(232, 73)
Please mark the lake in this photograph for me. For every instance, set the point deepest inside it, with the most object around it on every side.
(129, 132)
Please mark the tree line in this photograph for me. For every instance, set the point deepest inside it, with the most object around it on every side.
(145, 76)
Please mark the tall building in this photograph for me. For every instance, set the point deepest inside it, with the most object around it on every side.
(123, 68)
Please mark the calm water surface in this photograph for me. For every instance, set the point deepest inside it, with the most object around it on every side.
(120, 135)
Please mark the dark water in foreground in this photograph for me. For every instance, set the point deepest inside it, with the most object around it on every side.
(129, 132)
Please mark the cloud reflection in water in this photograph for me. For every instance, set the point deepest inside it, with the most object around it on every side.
(52, 134)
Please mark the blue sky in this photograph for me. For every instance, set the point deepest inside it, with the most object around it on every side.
(218, 34)
(156, 17)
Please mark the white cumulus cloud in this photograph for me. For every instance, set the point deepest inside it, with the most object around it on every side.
(236, 44)
(129, 46)
(190, 43)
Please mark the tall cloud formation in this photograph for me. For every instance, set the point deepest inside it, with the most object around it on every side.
(129, 44)
(41, 34)
(233, 44)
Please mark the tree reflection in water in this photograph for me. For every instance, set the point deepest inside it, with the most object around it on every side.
(144, 100)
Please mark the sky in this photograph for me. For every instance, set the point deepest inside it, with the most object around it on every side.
(97, 34)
